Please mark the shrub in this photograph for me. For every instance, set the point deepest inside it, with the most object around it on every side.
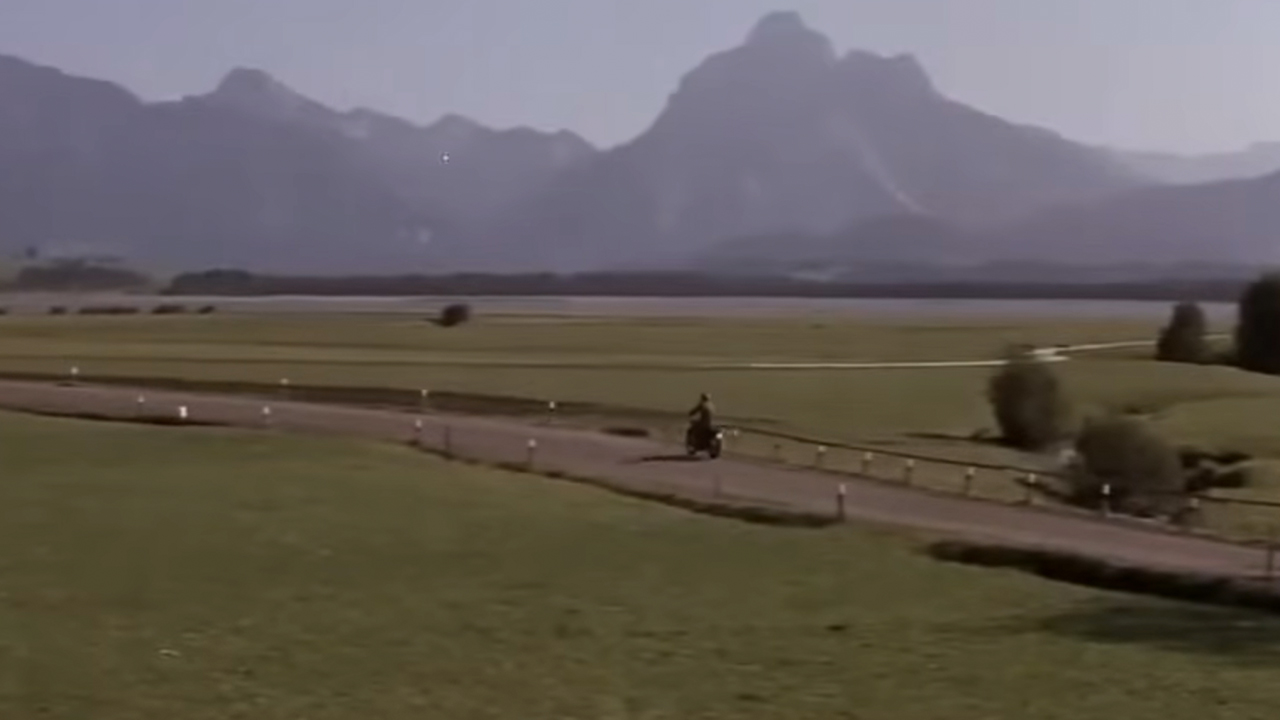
(168, 309)
(454, 315)
(108, 310)
(1258, 326)
(208, 310)
(1183, 339)
(1144, 472)
(1218, 477)
(57, 310)
(1029, 403)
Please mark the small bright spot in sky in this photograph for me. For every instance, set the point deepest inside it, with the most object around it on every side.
(444, 158)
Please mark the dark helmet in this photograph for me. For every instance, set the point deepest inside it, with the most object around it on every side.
(704, 397)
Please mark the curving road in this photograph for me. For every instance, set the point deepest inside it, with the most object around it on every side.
(640, 464)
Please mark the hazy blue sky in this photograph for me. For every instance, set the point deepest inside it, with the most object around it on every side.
(1164, 74)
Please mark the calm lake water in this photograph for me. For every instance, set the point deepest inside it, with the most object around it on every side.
(659, 307)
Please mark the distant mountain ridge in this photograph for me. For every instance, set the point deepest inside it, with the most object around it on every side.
(782, 134)
(1255, 161)
(251, 175)
(467, 170)
(85, 166)
(1235, 222)
(780, 154)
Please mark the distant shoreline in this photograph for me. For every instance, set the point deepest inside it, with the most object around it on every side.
(686, 285)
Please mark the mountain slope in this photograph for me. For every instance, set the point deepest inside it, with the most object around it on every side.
(1257, 160)
(780, 135)
(896, 239)
(87, 167)
(1232, 222)
(461, 167)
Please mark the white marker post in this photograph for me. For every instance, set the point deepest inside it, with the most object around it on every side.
(140, 406)
(182, 413)
(1271, 554)
(969, 475)
(266, 415)
(908, 470)
(866, 463)
(1106, 499)
(417, 431)
(1029, 489)
(821, 456)
(75, 374)
(842, 494)
(531, 451)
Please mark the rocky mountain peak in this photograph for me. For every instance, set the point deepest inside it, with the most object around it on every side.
(898, 74)
(786, 32)
(256, 90)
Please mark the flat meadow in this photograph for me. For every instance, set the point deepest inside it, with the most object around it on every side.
(209, 573)
(646, 371)
(661, 364)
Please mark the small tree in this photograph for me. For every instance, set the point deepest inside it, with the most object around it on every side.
(454, 315)
(1144, 473)
(1258, 326)
(1029, 403)
(1183, 339)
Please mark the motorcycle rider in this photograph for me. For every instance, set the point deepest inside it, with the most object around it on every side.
(701, 419)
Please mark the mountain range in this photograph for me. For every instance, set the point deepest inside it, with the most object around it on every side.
(778, 153)
(1257, 160)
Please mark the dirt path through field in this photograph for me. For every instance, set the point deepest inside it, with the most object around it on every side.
(645, 465)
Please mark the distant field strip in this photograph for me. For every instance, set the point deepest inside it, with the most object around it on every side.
(319, 355)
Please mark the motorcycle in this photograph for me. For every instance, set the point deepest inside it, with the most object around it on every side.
(710, 441)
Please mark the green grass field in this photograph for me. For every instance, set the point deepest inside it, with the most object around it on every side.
(635, 364)
(164, 573)
(644, 364)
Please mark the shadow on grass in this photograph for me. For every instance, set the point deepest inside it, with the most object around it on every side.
(160, 420)
(1237, 635)
(670, 458)
(979, 438)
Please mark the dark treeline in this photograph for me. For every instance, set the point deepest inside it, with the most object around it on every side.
(76, 276)
(683, 284)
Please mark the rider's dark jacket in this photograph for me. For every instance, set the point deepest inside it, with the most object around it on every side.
(701, 414)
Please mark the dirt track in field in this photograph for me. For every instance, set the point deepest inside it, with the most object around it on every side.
(647, 466)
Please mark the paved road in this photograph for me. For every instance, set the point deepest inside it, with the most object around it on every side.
(646, 465)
